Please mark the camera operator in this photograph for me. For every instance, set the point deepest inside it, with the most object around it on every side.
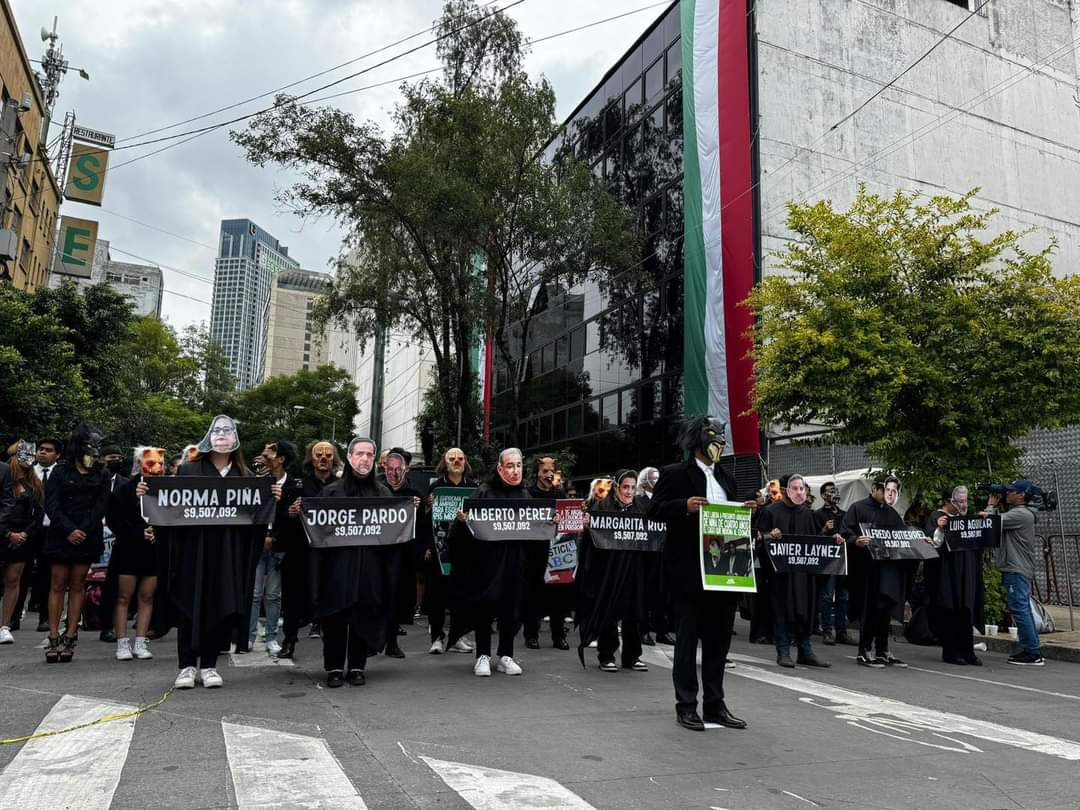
(1016, 559)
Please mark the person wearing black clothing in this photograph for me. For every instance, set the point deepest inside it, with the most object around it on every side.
(118, 468)
(75, 501)
(352, 586)
(543, 599)
(402, 559)
(832, 590)
(793, 594)
(699, 614)
(488, 579)
(611, 585)
(453, 471)
(878, 588)
(36, 580)
(21, 507)
(321, 463)
(955, 585)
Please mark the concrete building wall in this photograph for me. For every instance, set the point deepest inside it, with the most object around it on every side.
(993, 106)
(292, 342)
(142, 284)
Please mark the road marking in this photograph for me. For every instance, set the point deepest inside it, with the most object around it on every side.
(800, 798)
(1006, 684)
(493, 789)
(78, 769)
(279, 769)
(861, 710)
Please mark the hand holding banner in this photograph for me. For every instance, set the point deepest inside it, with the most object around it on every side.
(345, 522)
(727, 553)
(196, 500)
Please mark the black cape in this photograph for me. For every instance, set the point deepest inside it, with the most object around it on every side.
(611, 584)
(884, 583)
(793, 596)
(954, 580)
(357, 580)
(210, 575)
(289, 538)
(123, 516)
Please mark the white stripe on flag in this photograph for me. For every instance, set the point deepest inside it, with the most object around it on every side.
(493, 789)
(278, 769)
(77, 769)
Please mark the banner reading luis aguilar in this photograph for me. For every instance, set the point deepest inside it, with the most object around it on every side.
(973, 533)
(197, 500)
(898, 544)
(496, 519)
(626, 531)
(727, 553)
(340, 522)
(446, 502)
(807, 554)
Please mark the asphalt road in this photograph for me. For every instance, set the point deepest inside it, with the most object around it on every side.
(424, 732)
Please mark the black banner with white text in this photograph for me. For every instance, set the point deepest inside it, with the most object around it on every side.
(343, 522)
(502, 519)
(807, 554)
(898, 544)
(196, 500)
(965, 533)
(626, 531)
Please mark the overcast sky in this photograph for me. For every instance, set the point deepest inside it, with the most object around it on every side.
(153, 63)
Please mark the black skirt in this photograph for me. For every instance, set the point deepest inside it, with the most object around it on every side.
(135, 558)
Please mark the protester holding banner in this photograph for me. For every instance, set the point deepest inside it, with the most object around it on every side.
(542, 598)
(657, 624)
(352, 585)
(20, 525)
(611, 576)
(402, 560)
(708, 616)
(793, 593)
(75, 499)
(832, 590)
(453, 484)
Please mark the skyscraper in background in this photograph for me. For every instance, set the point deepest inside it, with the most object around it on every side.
(248, 260)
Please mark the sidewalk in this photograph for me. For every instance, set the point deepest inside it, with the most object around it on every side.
(1063, 645)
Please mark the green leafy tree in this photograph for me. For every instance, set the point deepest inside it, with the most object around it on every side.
(209, 386)
(904, 327)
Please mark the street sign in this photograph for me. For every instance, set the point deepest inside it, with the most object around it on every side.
(76, 254)
(86, 174)
(93, 136)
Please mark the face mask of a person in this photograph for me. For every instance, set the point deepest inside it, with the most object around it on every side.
(796, 490)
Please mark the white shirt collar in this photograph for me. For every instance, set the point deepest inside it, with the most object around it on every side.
(225, 470)
(282, 479)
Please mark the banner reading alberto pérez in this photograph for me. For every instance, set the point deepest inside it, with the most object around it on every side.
(727, 552)
(195, 500)
(501, 519)
(340, 522)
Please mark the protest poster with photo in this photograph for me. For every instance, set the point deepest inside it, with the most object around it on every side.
(446, 502)
(626, 531)
(973, 533)
(898, 544)
(196, 500)
(502, 519)
(562, 557)
(726, 548)
(807, 554)
(342, 522)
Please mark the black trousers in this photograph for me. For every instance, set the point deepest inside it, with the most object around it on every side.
(657, 608)
(503, 615)
(874, 631)
(536, 561)
(341, 645)
(211, 641)
(557, 603)
(294, 592)
(608, 642)
(708, 617)
(954, 629)
(436, 599)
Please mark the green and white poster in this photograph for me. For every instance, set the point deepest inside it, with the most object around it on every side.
(727, 548)
(446, 502)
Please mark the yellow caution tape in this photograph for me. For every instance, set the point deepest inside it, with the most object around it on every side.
(106, 719)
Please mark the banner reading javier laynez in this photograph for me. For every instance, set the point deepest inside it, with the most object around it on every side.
(807, 554)
(446, 502)
(501, 519)
(562, 555)
(196, 500)
(898, 544)
(340, 522)
(726, 549)
(626, 531)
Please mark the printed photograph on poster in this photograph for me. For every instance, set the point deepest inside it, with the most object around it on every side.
(727, 551)
(807, 554)
(562, 555)
(898, 544)
(446, 502)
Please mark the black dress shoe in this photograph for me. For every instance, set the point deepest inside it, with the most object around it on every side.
(560, 644)
(108, 636)
(532, 643)
(648, 640)
(401, 631)
(393, 650)
(974, 661)
(724, 718)
(689, 720)
(335, 678)
(355, 677)
(955, 660)
(665, 638)
(287, 649)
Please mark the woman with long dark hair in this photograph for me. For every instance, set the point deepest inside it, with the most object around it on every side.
(20, 536)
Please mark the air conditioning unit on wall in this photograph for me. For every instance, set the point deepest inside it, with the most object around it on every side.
(9, 245)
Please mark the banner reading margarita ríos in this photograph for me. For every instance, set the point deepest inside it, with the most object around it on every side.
(973, 533)
(341, 522)
(502, 519)
(898, 544)
(563, 553)
(626, 531)
(807, 554)
(726, 549)
(196, 500)
(446, 502)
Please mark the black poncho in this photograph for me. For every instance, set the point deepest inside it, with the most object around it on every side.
(793, 596)
(954, 580)
(882, 583)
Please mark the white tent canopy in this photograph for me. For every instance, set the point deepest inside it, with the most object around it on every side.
(853, 486)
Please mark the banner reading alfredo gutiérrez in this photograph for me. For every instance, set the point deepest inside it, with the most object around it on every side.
(807, 554)
(341, 522)
(197, 500)
(898, 544)
(626, 531)
(501, 519)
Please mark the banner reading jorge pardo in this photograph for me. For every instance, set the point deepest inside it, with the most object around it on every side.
(726, 549)
(340, 522)
(563, 554)
(807, 554)
(197, 500)
(898, 544)
(446, 502)
(502, 519)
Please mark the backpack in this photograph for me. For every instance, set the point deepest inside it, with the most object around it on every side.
(1044, 622)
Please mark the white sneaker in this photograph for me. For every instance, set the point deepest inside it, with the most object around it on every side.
(462, 646)
(210, 678)
(437, 647)
(273, 647)
(123, 649)
(5, 636)
(186, 679)
(507, 665)
(483, 667)
(142, 648)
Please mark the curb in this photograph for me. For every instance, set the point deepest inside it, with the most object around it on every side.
(1049, 649)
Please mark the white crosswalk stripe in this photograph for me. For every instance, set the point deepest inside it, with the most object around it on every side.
(494, 789)
(79, 769)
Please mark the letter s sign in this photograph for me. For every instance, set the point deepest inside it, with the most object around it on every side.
(86, 174)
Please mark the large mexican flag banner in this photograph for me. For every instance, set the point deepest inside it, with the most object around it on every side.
(719, 216)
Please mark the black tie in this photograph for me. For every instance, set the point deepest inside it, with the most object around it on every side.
(45, 475)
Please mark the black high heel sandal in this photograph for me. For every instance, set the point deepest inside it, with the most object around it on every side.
(52, 652)
(67, 648)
